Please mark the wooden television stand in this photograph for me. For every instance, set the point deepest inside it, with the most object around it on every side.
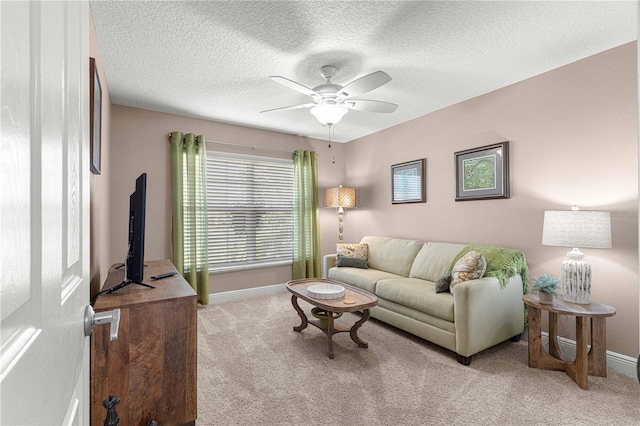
(152, 366)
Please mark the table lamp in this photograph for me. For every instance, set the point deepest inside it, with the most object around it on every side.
(341, 198)
(576, 228)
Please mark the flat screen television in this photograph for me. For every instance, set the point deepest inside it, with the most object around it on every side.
(134, 271)
(134, 264)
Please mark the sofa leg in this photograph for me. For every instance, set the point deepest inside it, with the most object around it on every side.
(515, 338)
(464, 360)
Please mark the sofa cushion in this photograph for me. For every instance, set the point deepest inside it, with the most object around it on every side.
(439, 323)
(353, 262)
(434, 260)
(392, 255)
(417, 294)
(471, 266)
(362, 278)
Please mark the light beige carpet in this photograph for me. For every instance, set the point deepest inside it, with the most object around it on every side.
(253, 369)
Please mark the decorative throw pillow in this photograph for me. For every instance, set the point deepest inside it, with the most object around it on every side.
(471, 266)
(359, 251)
(352, 262)
(443, 284)
(352, 255)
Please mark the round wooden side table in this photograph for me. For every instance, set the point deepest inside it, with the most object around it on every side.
(588, 361)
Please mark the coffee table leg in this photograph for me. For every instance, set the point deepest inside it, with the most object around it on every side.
(330, 334)
(354, 330)
(303, 317)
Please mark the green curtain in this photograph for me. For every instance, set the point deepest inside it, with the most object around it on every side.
(189, 201)
(306, 236)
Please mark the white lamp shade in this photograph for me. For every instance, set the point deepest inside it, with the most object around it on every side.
(329, 114)
(340, 197)
(577, 228)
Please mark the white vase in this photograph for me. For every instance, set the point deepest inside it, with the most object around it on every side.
(545, 298)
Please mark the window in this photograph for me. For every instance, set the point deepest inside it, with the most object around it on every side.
(250, 211)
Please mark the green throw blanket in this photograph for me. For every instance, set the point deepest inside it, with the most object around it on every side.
(502, 263)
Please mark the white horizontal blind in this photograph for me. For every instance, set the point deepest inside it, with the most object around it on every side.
(195, 236)
(250, 211)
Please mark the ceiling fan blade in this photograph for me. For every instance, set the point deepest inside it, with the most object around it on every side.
(290, 107)
(293, 85)
(370, 106)
(364, 84)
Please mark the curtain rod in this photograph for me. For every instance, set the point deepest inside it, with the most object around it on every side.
(243, 146)
(247, 146)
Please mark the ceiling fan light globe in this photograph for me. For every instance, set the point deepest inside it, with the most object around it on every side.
(328, 114)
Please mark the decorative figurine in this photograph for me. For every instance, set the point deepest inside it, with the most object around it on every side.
(112, 416)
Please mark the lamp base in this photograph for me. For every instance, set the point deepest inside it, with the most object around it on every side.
(576, 281)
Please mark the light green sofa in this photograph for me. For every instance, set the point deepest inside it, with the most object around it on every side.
(403, 273)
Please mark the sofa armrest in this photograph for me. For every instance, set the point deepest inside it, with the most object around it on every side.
(486, 314)
(328, 262)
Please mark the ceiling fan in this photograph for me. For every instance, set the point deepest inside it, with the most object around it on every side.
(332, 101)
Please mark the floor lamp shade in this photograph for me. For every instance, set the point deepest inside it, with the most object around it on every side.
(341, 198)
(576, 229)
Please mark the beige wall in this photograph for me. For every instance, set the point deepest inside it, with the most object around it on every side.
(140, 144)
(573, 136)
(99, 184)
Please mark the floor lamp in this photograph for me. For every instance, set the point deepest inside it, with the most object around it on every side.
(340, 198)
(576, 228)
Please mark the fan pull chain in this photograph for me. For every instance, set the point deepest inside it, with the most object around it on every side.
(333, 158)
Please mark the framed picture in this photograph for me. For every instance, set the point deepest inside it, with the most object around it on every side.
(95, 115)
(483, 173)
(408, 182)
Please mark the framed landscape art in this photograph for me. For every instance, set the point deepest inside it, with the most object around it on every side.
(408, 182)
(483, 173)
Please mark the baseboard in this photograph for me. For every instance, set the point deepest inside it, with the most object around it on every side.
(617, 362)
(226, 296)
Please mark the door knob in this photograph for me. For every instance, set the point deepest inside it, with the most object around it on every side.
(91, 319)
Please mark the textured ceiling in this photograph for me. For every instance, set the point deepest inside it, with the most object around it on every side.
(213, 59)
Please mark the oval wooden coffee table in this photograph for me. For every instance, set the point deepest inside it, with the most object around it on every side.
(363, 300)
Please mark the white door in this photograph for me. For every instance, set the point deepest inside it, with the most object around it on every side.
(44, 222)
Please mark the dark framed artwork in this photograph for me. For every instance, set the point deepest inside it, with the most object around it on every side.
(483, 173)
(408, 182)
(95, 115)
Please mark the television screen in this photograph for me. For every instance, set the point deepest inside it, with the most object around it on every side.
(134, 264)
(137, 210)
